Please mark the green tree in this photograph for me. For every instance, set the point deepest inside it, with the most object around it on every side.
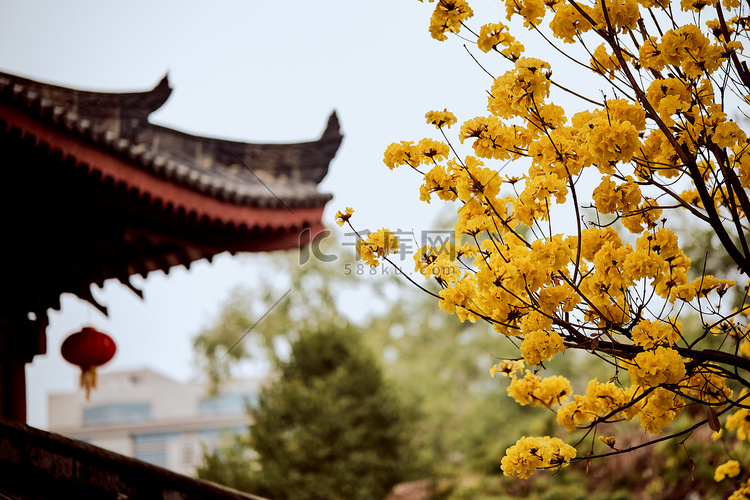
(329, 428)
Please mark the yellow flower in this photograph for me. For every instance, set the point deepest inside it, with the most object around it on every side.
(727, 134)
(532, 11)
(696, 5)
(448, 16)
(492, 35)
(623, 14)
(643, 216)
(688, 48)
(413, 155)
(648, 334)
(608, 440)
(650, 55)
(440, 182)
(660, 410)
(538, 391)
(341, 218)
(606, 198)
(740, 420)
(521, 89)
(440, 118)
(432, 150)
(668, 96)
(604, 63)
(607, 139)
(402, 153)
(366, 253)
(600, 400)
(458, 298)
(708, 385)
(507, 368)
(531, 453)
(744, 348)
(541, 345)
(743, 492)
(377, 244)
(657, 367)
(568, 21)
(494, 139)
(730, 468)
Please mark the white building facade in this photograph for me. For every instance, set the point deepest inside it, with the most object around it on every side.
(148, 416)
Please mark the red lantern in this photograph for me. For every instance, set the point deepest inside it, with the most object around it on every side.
(88, 349)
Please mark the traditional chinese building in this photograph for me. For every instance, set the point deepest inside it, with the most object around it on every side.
(91, 190)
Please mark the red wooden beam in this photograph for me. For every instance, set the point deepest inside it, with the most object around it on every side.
(161, 190)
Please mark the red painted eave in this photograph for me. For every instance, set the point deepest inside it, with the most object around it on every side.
(169, 195)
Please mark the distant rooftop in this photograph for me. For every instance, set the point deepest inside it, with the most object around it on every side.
(265, 175)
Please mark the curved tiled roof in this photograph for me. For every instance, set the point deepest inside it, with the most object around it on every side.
(259, 175)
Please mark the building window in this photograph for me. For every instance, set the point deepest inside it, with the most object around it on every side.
(227, 404)
(116, 413)
(156, 437)
(189, 455)
(152, 448)
(153, 457)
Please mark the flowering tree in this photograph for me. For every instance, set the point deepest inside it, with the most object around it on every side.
(573, 245)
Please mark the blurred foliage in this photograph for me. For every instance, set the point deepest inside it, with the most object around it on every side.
(231, 466)
(329, 428)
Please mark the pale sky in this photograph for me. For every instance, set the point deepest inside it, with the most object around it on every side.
(251, 71)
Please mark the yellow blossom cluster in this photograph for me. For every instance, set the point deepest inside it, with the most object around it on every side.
(532, 11)
(608, 440)
(492, 35)
(708, 385)
(653, 368)
(536, 391)
(541, 345)
(531, 453)
(439, 262)
(739, 421)
(507, 368)
(605, 63)
(441, 118)
(662, 136)
(522, 90)
(685, 47)
(660, 409)
(742, 493)
(426, 151)
(603, 402)
(343, 217)
(649, 334)
(731, 468)
(448, 16)
(376, 245)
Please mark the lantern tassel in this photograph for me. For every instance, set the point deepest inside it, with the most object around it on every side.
(88, 380)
